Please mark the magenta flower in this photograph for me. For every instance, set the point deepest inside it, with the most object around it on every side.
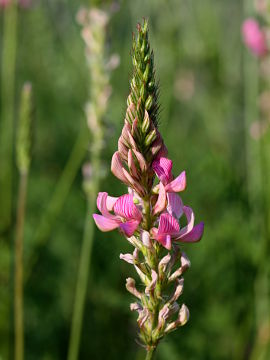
(127, 216)
(254, 38)
(163, 169)
(169, 186)
(169, 229)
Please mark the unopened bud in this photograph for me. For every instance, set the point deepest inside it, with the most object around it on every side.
(149, 102)
(150, 137)
(146, 239)
(146, 123)
(146, 73)
(130, 285)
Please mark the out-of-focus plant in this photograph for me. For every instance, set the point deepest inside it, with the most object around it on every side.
(256, 38)
(94, 22)
(23, 155)
(148, 216)
(8, 65)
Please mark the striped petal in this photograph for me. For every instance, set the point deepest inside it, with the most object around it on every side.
(125, 208)
(194, 235)
(129, 227)
(163, 169)
(175, 205)
(104, 223)
(161, 201)
(168, 225)
(178, 184)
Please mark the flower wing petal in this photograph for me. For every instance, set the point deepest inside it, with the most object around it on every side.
(190, 220)
(178, 184)
(104, 223)
(194, 235)
(175, 205)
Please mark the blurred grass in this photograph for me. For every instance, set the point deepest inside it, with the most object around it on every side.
(199, 59)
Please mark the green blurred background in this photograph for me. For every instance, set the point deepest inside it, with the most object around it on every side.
(200, 62)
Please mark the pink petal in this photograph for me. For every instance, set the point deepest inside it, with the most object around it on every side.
(165, 241)
(131, 165)
(125, 208)
(117, 167)
(163, 168)
(175, 205)
(129, 227)
(111, 200)
(168, 225)
(161, 201)
(133, 183)
(104, 223)
(194, 235)
(178, 184)
(190, 220)
(141, 160)
(105, 203)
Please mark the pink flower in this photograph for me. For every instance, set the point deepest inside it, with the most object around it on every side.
(168, 187)
(127, 216)
(4, 3)
(163, 169)
(254, 38)
(169, 229)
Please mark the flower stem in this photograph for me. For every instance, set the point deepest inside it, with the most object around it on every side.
(18, 306)
(7, 119)
(150, 353)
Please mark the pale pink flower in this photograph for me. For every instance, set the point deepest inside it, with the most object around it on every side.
(254, 38)
(127, 216)
(169, 229)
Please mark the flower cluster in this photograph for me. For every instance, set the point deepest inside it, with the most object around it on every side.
(149, 214)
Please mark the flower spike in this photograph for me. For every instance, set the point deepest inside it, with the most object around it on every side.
(148, 216)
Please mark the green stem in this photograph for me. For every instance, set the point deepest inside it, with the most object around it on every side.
(7, 120)
(150, 353)
(18, 286)
(57, 201)
(6, 164)
(83, 273)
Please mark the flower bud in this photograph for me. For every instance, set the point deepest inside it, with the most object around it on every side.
(130, 285)
(149, 103)
(150, 138)
(146, 123)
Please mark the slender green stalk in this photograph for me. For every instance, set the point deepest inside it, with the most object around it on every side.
(83, 275)
(6, 164)
(23, 158)
(18, 310)
(58, 198)
(7, 119)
